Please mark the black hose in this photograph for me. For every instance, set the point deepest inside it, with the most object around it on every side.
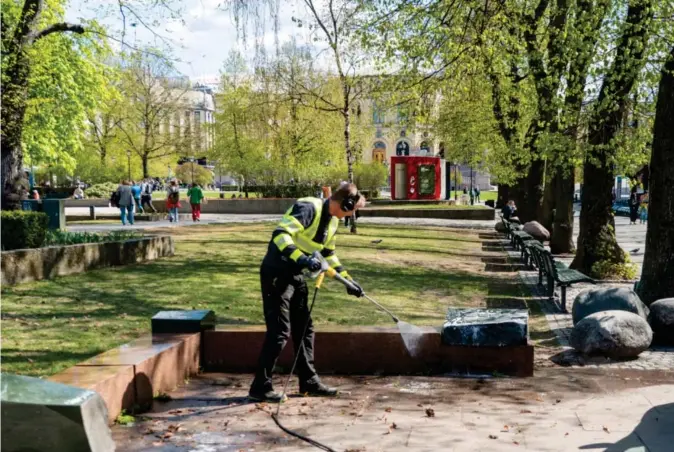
(275, 416)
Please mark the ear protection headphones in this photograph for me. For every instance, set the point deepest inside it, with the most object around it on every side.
(349, 203)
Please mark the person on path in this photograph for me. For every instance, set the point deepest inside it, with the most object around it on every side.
(78, 193)
(125, 201)
(477, 194)
(634, 206)
(196, 195)
(309, 226)
(146, 189)
(643, 209)
(173, 200)
(135, 189)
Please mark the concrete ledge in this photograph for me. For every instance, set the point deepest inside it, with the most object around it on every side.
(19, 266)
(96, 202)
(136, 217)
(128, 377)
(484, 214)
(276, 206)
(367, 350)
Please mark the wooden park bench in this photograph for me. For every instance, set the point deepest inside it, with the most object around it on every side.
(557, 272)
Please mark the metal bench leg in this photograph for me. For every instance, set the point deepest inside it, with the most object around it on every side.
(563, 299)
(540, 276)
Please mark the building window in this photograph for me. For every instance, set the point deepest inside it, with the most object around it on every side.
(425, 148)
(377, 114)
(379, 133)
(402, 148)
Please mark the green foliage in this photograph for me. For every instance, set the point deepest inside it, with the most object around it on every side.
(613, 270)
(370, 176)
(194, 173)
(23, 229)
(286, 191)
(75, 238)
(125, 418)
(103, 190)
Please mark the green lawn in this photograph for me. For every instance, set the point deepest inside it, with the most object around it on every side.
(48, 326)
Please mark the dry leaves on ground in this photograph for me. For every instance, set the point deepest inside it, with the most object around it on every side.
(430, 412)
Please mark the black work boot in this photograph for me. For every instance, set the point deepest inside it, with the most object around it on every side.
(266, 395)
(317, 389)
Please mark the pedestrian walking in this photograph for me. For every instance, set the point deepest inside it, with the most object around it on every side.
(643, 209)
(477, 194)
(634, 206)
(146, 189)
(136, 191)
(124, 200)
(173, 200)
(196, 195)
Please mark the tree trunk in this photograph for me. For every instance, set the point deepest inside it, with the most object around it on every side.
(530, 203)
(561, 238)
(503, 195)
(657, 277)
(549, 198)
(597, 240)
(146, 172)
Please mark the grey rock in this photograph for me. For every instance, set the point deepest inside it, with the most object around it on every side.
(486, 327)
(615, 334)
(607, 299)
(40, 415)
(536, 230)
(516, 226)
(499, 226)
(661, 319)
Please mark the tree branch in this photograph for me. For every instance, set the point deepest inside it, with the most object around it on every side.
(58, 28)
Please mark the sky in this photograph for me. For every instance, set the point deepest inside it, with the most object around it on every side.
(201, 41)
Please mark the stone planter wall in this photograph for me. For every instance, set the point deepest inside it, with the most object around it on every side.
(26, 265)
(484, 214)
(275, 206)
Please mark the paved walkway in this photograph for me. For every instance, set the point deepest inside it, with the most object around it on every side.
(557, 410)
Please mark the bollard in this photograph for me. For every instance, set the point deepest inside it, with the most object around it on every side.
(92, 212)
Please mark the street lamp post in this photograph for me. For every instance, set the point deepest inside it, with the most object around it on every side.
(192, 162)
(456, 184)
(128, 158)
(471, 184)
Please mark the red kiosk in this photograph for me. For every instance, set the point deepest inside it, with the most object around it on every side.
(416, 177)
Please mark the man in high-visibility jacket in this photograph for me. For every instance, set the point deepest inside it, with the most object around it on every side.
(309, 225)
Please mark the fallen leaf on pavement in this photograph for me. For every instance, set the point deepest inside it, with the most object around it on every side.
(394, 426)
(606, 429)
(175, 411)
(505, 428)
(173, 427)
(539, 398)
(516, 443)
(525, 411)
(493, 437)
(430, 412)
(167, 435)
(388, 409)
(148, 431)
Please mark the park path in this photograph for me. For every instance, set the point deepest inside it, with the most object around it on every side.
(557, 410)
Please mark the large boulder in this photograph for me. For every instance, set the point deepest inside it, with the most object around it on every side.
(537, 231)
(607, 299)
(499, 226)
(616, 334)
(486, 327)
(661, 319)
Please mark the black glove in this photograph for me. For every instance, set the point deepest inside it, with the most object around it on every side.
(357, 291)
(310, 263)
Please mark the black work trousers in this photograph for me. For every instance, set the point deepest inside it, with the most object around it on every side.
(286, 312)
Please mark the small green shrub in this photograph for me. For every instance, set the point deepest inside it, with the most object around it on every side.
(103, 190)
(75, 238)
(613, 270)
(23, 229)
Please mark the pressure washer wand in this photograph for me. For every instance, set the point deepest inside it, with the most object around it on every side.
(395, 319)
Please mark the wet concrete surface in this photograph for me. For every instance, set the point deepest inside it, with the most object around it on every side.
(557, 410)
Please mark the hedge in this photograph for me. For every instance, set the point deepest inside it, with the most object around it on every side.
(103, 190)
(23, 229)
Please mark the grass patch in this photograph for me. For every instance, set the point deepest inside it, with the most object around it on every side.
(418, 273)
